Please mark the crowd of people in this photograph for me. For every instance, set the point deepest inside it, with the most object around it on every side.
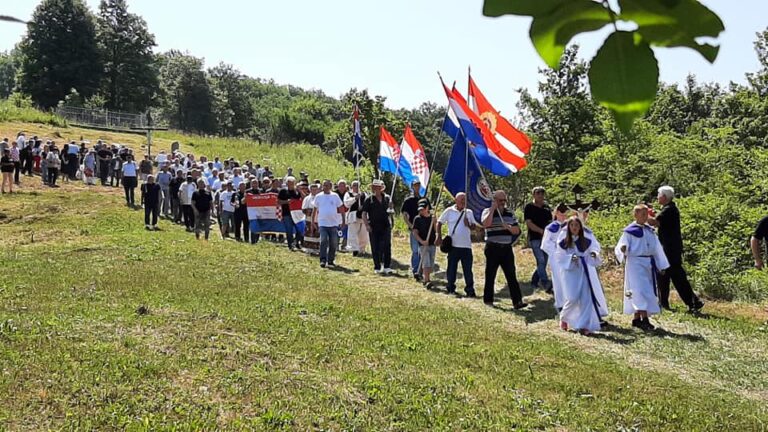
(334, 216)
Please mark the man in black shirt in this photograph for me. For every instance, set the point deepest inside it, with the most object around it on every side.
(105, 157)
(202, 203)
(409, 210)
(173, 190)
(150, 198)
(376, 210)
(242, 228)
(284, 198)
(537, 216)
(668, 223)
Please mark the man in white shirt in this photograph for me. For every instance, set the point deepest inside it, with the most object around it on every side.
(326, 209)
(185, 199)
(226, 209)
(460, 221)
(237, 178)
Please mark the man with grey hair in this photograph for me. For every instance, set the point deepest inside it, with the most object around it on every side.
(668, 223)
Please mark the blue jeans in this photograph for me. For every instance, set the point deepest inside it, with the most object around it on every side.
(415, 254)
(463, 255)
(329, 242)
(290, 229)
(540, 274)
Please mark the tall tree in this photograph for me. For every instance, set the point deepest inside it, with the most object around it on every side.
(759, 80)
(59, 52)
(232, 106)
(9, 68)
(187, 98)
(565, 114)
(130, 76)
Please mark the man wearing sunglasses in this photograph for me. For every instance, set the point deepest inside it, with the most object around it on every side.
(501, 231)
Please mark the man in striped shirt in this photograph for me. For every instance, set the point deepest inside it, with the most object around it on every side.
(501, 231)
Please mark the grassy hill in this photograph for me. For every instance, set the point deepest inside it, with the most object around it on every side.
(105, 326)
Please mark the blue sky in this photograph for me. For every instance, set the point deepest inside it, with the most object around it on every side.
(394, 47)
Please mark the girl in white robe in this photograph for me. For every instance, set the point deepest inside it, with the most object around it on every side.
(577, 257)
(549, 246)
(644, 257)
(597, 288)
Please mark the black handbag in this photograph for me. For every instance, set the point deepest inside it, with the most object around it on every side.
(447, 243)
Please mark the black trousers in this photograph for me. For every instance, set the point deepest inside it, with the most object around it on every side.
(500, 255)
(150, 208)
(16, 171)
(27, 164)
(103, 171)
(676, 274)
(241, 226)
(53, 174)
(189, 216)
(381, 247)
(129, 184)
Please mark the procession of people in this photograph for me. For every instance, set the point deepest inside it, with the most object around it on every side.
(327, 217)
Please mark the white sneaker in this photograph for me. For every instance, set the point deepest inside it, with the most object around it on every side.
(387, 271)
(377, 271)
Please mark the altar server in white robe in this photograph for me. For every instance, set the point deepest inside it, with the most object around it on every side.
(645, 258)
(578, 257)
(597, 288)
(549, 245)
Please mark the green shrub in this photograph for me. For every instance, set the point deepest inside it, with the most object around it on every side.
(19, 108)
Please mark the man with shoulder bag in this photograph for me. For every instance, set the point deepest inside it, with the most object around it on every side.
(458, 244)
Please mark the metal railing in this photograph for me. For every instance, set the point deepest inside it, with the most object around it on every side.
(102, 117)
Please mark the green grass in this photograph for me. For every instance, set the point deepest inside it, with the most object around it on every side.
(21, 111)
(256, 337)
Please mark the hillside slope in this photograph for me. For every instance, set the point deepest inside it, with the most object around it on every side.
(257, 337)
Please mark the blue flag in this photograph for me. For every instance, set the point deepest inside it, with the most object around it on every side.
(479, 195)
(357, 139)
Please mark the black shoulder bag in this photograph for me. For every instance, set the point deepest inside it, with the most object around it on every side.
(447, 243)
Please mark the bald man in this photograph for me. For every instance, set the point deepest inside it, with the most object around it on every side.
(501, 231)
(460, 221)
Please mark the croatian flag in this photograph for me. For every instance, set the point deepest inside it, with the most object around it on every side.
(488, 151)
(357, 140)
(508, 136)
(413, 162)
(264, 213)
(389, 152)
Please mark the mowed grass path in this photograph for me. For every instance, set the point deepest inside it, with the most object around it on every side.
(256, 337)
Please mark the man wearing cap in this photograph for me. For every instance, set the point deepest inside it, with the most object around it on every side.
(409, 210)
(375, 212)
(501, 231)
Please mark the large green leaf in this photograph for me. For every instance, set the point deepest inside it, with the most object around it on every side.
(534, 8)
(674, 23)
(551, 33)
(624, 77)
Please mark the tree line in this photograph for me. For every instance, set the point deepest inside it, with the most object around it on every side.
(73, 56)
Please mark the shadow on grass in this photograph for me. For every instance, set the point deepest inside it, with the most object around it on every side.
(345, 270)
